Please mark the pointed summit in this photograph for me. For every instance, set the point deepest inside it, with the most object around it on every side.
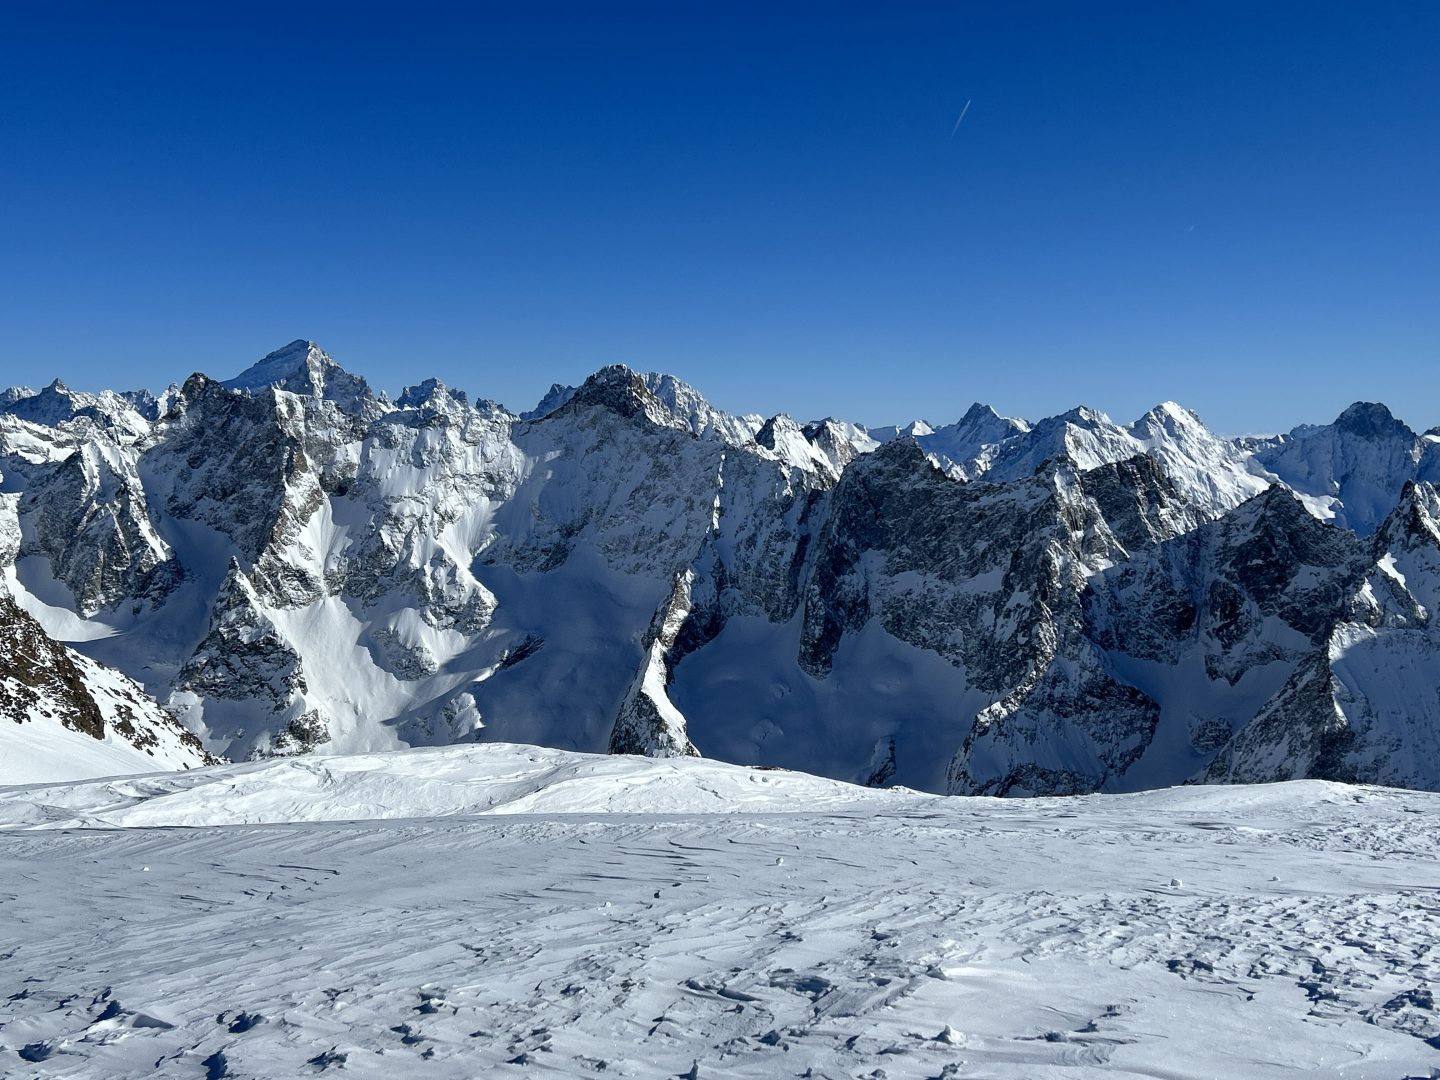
(662, 399)
(622, 391)
(558, 395)
(980, 413)
(1414, 521)
(429, 392)
(1167, 418)
(982, 424)
(1082, 416)
(303, 368)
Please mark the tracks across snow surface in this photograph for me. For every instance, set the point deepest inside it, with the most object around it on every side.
(1256, 932)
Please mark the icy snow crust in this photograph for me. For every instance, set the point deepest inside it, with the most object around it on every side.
(504, 911)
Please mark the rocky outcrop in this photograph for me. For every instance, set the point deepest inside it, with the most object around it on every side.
(648, 722)
(243, 656)
(40, 679)
(44, 683)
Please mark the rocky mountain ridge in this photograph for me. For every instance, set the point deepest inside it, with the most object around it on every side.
(287, 560)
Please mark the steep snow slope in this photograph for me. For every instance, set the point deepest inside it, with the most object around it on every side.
(64, 716)
(750, 932)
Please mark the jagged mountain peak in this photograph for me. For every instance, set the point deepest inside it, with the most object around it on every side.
(1169, 417)
(978, 411)
(14, 394)
(1353, 468)
(54, 391)
(690, 407)
(776, 428)
(556, 396)
(1276, 521)
(622, 391)
(823, 447)
(303, 368)
(1082, 416)
(965, 448)
(662, 399)
(1416, 518)
(428, 393)
(57, 404)
(905, 454)
(837, 435)
(301, 359)
(150, 405)
(1275, 500)
(980, 415)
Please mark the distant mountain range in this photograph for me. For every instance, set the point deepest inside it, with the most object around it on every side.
(286, 561)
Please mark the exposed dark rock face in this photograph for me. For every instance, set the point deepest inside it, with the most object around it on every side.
(243, 657)
(648, 722)
(39, 677)
(42, 682)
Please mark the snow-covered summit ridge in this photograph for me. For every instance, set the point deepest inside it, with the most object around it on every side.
(303, 368)
(509, 779)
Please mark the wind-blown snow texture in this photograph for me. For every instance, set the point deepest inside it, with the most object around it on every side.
(286, 561)
(508, 911)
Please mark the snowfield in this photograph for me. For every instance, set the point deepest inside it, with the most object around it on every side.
(502, 910)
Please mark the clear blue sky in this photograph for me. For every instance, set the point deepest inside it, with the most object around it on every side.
(1236, 205)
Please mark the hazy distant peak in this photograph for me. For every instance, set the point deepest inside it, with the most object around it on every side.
(1372, 420)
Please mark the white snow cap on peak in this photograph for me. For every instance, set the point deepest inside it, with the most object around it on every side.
(1168, 416)
(1082, 415)
(303, 368)
(298, 367)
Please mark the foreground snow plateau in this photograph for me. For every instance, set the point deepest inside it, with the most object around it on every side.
(503, 910)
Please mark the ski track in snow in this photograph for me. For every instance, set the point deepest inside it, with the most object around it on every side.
(1241, 932)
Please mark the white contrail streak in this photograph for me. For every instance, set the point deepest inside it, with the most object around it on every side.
(961, 117)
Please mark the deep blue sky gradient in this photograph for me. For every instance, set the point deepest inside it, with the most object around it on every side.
(1235, 205)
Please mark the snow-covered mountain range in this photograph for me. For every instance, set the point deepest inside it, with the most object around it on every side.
(287, 561)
